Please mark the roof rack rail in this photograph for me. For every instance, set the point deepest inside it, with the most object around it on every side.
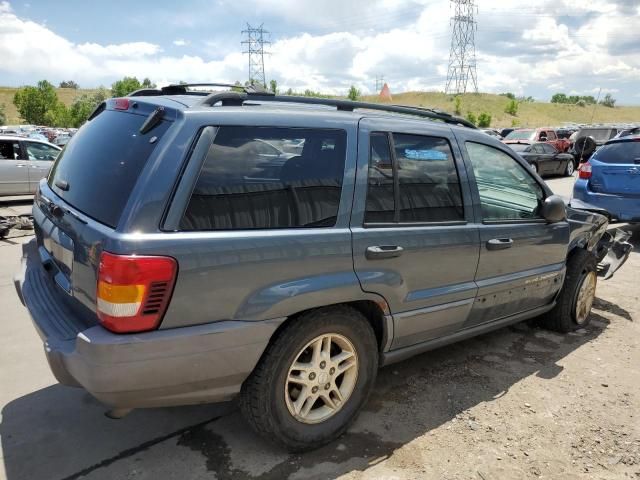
(345, 105)
(182, 89)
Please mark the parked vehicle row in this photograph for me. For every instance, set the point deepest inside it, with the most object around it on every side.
(23, 162)
(56, 136)
(197, 250)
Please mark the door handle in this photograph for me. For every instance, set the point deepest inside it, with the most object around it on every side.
(383, 251)
(499, 243)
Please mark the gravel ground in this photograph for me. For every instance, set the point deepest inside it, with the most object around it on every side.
(521, 402)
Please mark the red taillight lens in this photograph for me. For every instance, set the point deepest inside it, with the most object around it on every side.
(584, 171)
(121, 104)
(133, 291)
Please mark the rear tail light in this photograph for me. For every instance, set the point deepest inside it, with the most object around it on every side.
(584, 171)
(134, 291)
(121, 104)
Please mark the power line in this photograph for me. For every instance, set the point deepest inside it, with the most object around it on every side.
(462, 54)
(379, 82)
(255, 40)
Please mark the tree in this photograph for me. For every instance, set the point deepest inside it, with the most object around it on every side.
(69, 84)
(608, 101)
(512, 108)
(146, 83)
(508, 95)
(3, 115)
(84, 105)
(472, 118)
(559, 98)
(33, 103)
(273, 86)
(124, 87)
(354, 93)
(58, 116)
(484, 120)
(458, 105)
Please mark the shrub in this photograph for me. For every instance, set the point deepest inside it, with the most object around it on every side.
(472, 118)
(608, 101)
(581, 103)
(457, 105)
(512, 108)
(354, 93)
(484, 120)
(508, 95)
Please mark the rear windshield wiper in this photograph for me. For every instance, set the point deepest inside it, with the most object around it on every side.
(152, 121)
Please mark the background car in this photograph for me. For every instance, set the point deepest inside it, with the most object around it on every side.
(531, 135)
(611, 179)
(587, 140)
(545, 159)
(493, 132)
(23, 162)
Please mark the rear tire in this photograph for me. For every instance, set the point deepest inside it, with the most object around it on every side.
(570, 168)
(574, 302)
(273, 400)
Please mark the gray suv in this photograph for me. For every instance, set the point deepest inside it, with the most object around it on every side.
(195, 247)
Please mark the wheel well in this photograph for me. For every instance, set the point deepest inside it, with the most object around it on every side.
(371, 310)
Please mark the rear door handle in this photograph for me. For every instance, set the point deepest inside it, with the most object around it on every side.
(383, 251)
(499, 243)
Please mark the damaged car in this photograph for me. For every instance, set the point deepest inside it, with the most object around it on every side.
(173, 263)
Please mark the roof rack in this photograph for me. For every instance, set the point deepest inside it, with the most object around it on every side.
(257, 93)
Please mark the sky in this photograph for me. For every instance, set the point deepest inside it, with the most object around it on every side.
(534, 48)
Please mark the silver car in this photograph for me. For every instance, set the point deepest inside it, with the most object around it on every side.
(23, 162)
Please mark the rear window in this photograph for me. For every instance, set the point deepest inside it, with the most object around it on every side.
(102, 162)
(268, 178)
(627, 153)
(521, 135)
(520, 147)
(598, 134)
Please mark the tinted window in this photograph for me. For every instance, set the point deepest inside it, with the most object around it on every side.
(507, 190)
(520, 147)
(250, 179)
(425, 176)
(521, 135)
(9, 150)
(380, 199)
(622, 152)
(102, 162)
(598, 134)
(537, 149)
(41, 151)
(546, 148)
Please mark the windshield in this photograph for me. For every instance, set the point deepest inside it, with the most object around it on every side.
(101, 163)
(521, 135)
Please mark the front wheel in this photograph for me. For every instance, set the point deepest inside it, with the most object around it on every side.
(313, 379)
(575, 300)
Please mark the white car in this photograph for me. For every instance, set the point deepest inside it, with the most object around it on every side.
(23, 162)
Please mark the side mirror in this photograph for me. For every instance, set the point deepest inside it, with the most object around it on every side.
(553, 209)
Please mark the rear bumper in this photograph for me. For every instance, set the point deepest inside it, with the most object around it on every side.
(621, 208)
(197, 364)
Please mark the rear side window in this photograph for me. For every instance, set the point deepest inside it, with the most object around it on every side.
(626, 153)
(101, 164)
(412, 179)
(268, 178)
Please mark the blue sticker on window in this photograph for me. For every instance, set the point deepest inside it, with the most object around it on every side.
(425, 154)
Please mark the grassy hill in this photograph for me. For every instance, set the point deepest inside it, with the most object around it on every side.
(529, 114)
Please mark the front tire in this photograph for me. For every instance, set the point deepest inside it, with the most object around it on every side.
(313, 379)
(574, 302)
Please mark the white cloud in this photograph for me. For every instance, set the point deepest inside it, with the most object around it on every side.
(521, 47)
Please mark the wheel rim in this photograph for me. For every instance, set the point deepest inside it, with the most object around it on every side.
(321, 378)
(570, 168)
(586, 295)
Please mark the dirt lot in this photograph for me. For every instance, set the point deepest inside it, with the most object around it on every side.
(517, 403)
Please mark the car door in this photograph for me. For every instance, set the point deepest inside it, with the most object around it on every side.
(14, 173)
(553, 160)
(414, 241)
(40, 160)
(522, 257)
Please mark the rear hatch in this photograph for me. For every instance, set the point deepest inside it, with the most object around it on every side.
(81, 203)
(616, 168)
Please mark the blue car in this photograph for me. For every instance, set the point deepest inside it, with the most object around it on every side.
(611, 179)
